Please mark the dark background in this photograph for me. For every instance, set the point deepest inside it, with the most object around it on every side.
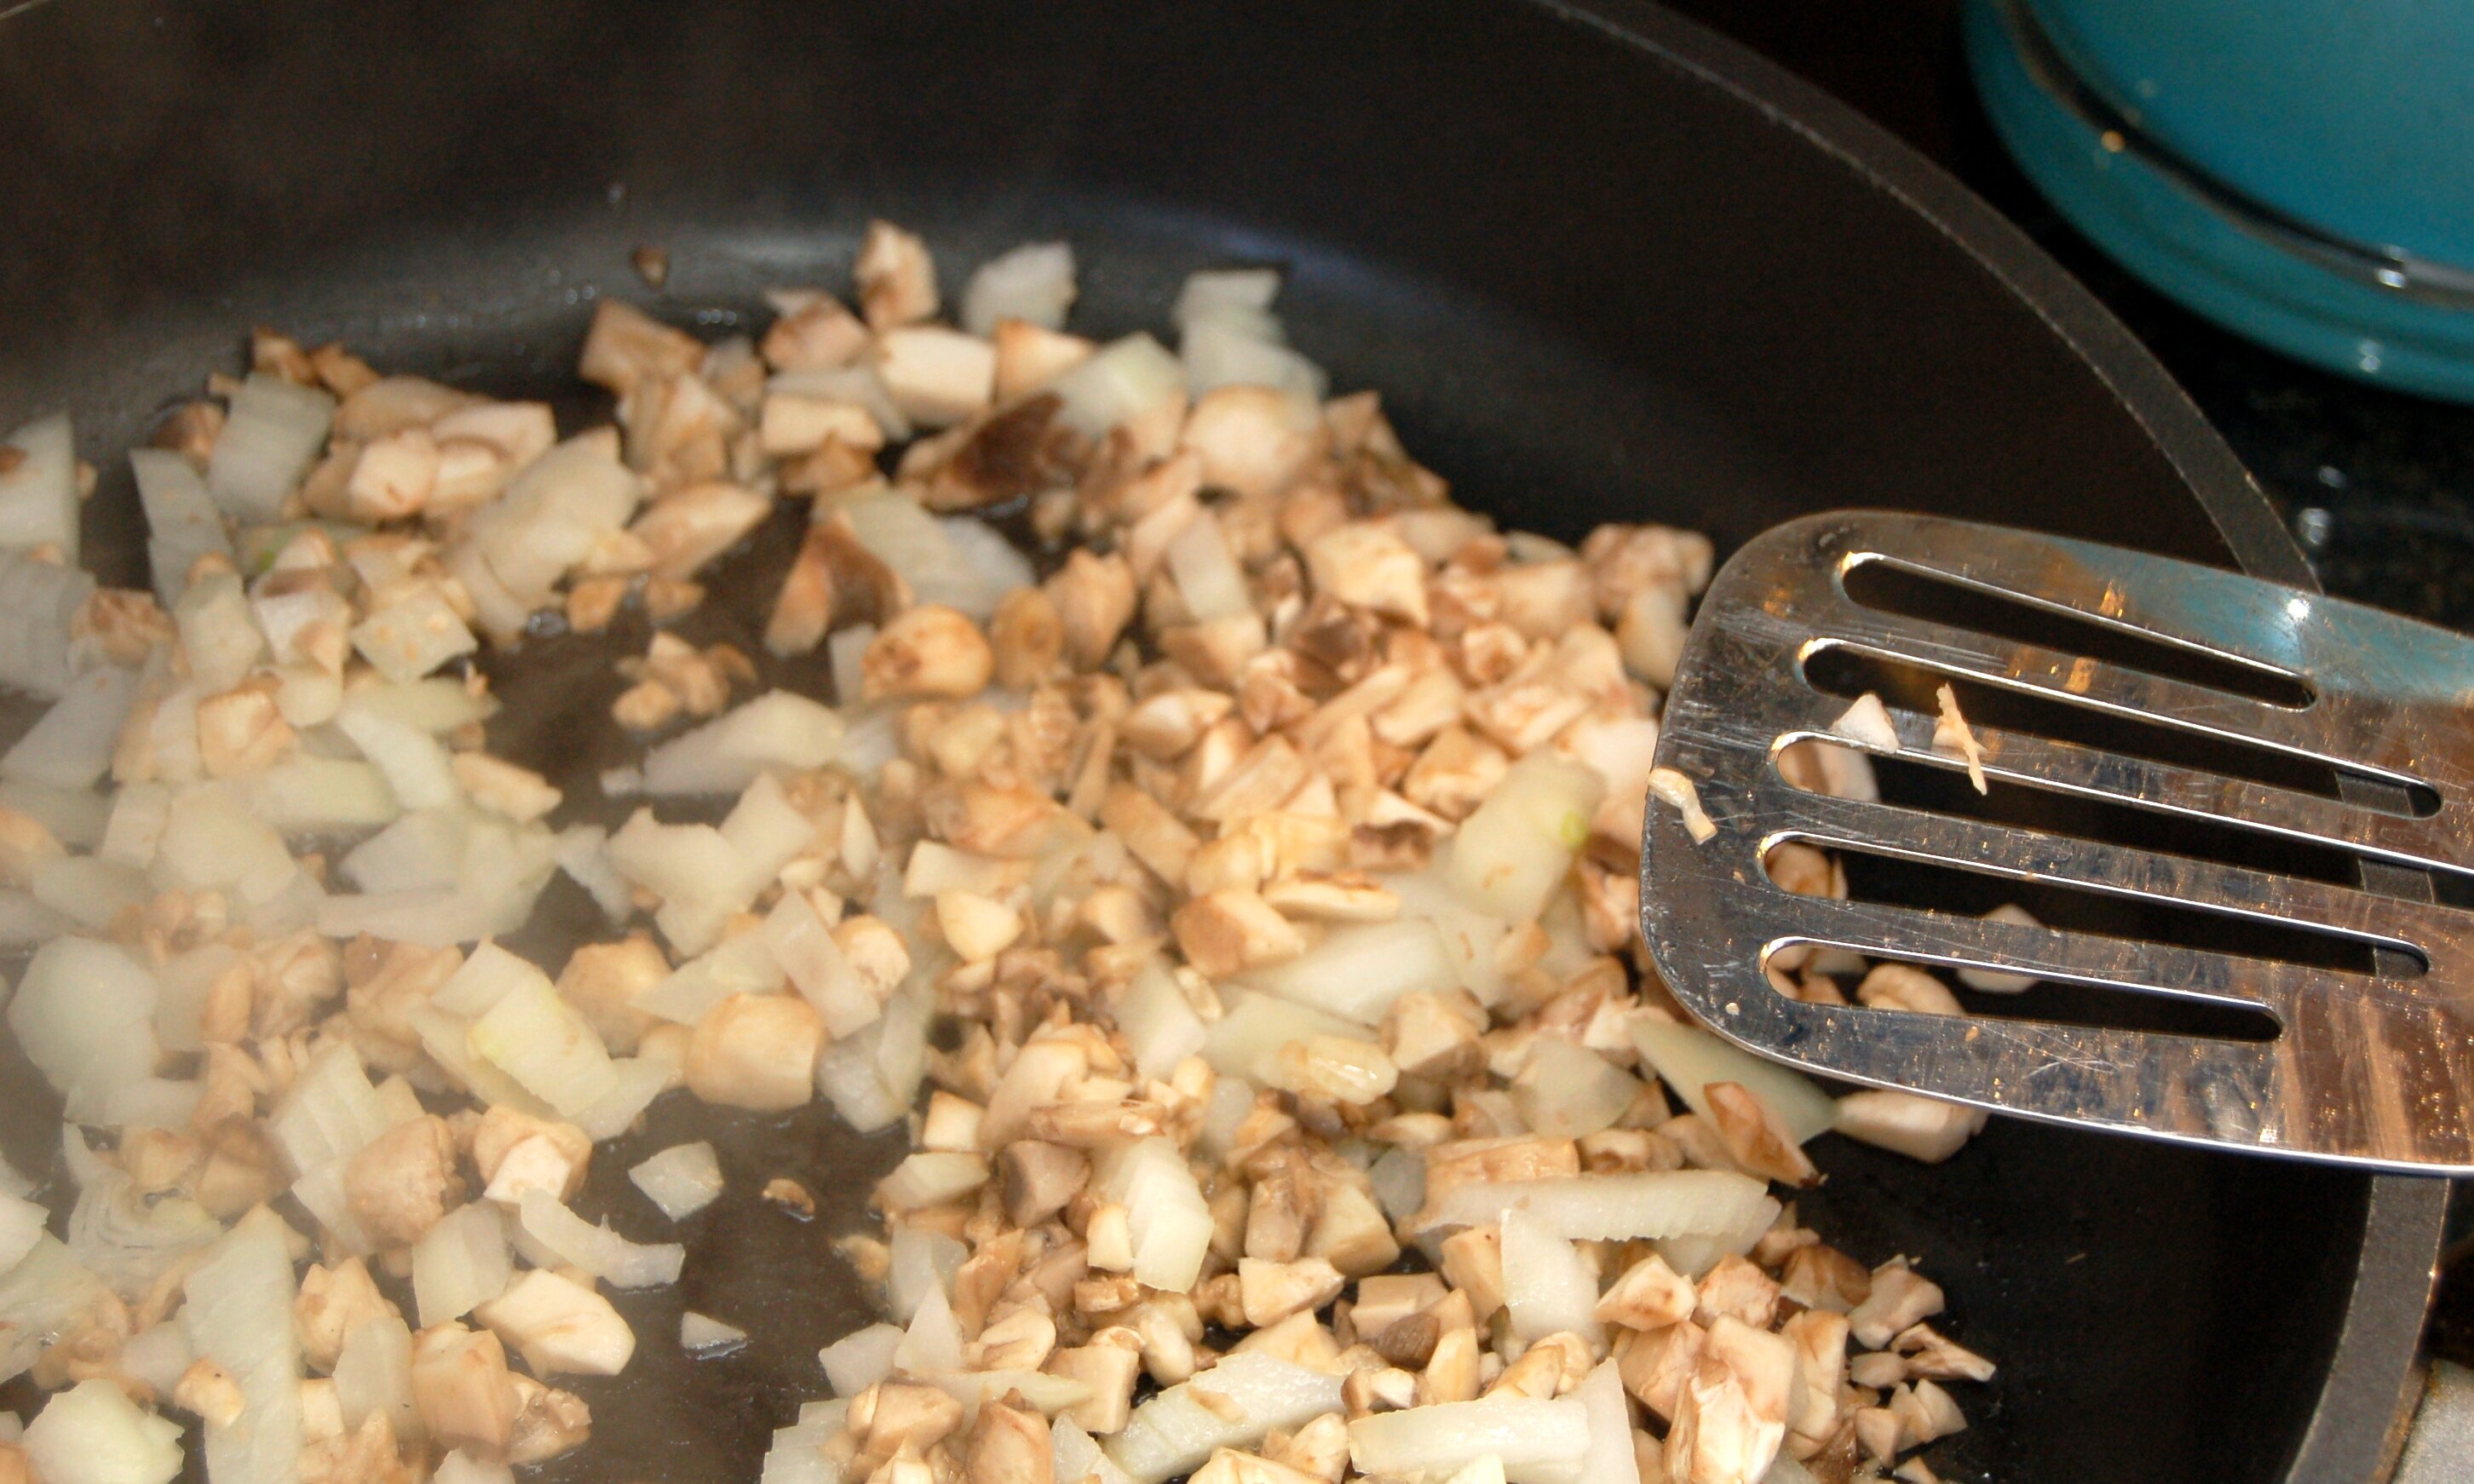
(2377, 486)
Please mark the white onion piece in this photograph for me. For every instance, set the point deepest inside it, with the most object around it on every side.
(583, 853)
(1615, 1207)
(22, 1224)
(38, 606)
(434, 705)
(182, 521)
(1075, 1457)
(1042, 1392)
(637, 1081)
(1611, 1459)
(488, 974)
(331, 1112)
(1538, 1441)
(26, 924)
(211, 840)
(1228, 292)
(130, 1237)
(321, 1193)
(1509, 855)
(40, 1297)
(1168, 1218)
(927, 1178)
(739, 965)
(860, 1358)
(373, 1374)
(1175, 1432)
(434, 917)
(1867, 723)
(39, 499)
(1158, 1024)
(158, 1356)
(858, 385)
(219, 633)
(93, 1434)
(71, 745)
(674, 862)
(597, 1250)
(84, 1014)
(1207, 576)
(1034, 282)
(1568, 1091)
(933, 1340)
(307, 796)
(920, 1262)
(89, 890)
(272, 433)
(778, 730)
(1247, 1041)
(416, 767)
(803, 946)
(552, 514)
(681, 1180)
(546, 1046)
(135, 827)
(461, 1264)
(1360, 968)
(75, 817)
(1399, 1181)
(239, 1316)
(1229, 349)
(702, 1335)
(1547, 1286)
(1124, 380)
(1688, 1058)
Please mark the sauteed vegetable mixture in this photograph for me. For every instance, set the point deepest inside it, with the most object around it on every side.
(1217, 848)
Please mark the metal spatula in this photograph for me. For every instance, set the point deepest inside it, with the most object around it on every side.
(2228, 795)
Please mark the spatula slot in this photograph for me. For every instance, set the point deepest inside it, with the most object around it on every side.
(1890, 585)
(1968, 890)
(2225, 840)
(1840, 669)
(2101, 1007)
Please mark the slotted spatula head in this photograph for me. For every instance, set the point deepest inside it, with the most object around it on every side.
(2241, 815)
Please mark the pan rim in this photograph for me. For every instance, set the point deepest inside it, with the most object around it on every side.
(2366, 1399)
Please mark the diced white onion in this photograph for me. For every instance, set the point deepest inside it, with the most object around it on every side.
(778, 730)
(1867, 723)
(1568, 1091)
(1169, 1220)
(1547, 1285)
(182, 521)
(1034, 282)
(239, 1316)
(921, 1261)
(860, 1358)
(1540, 1442)
(1124, 380)
(597, 1250)
(158, 1356)
(93, 1434)
(1228, 292)
(701, 1335)
(84, 1015)
(307, 796)
(1247, 1041)
(927, 1178)
(1509, 855)
(71, 745)
(461, 1264)
(38, 607)
(682, 1179)
(545, 1045)
(1615, 1207)
(933, 1340)
(44, 1293)
(373, 1374)
(89, 890)
(1175, 1431)
(272, 433)
(416, 767)
(1688, 1058)
(38, 499)
(330, 1113)
(1159, 1025)
(1207, 576)
(1360, 968)
(22, 1224)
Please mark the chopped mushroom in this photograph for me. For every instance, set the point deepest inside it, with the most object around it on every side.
(1953, 735)
(404, 1181)
(559, 1326)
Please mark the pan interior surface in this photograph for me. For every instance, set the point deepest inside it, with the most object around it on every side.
(1593, 285)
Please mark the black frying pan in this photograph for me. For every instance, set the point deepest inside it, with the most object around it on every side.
(1603, 266)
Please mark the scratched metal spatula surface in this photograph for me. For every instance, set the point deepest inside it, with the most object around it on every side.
(2238, 816)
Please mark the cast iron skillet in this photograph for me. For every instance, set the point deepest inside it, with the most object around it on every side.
(1603, 265)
